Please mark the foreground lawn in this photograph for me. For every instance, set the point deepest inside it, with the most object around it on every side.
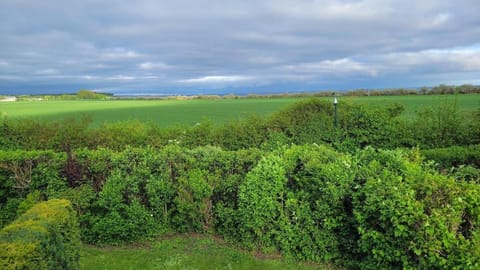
(183, 252)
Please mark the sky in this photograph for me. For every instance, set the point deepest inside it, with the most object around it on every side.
(236, 46)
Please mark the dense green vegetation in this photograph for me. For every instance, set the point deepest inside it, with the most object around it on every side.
(308, 121)
(44, 237)
(379, 190)
(370, 209)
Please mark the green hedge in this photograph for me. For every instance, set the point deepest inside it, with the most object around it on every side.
(44, 237)
(454, 156)
(308, 121)
(26, 172)
(372, 209)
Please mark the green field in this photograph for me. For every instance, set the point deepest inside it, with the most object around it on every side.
(466, 103)
(189, 112)
(183, 252)
(163, 112)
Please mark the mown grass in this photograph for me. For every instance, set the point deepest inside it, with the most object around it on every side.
(183, 252)
(188, 112)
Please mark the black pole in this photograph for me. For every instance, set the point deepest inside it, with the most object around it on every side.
(335, 117)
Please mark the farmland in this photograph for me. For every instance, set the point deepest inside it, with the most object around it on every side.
(163, 112)
(188, 112)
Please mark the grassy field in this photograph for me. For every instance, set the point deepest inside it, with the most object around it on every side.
(466, 103)
(182, 252)
(163, 112)
(189, 112)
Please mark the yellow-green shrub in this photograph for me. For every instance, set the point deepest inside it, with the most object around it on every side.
(44, 237)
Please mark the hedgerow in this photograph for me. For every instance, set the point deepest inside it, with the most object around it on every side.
(454, 156)
(308, 121)
(292, 183)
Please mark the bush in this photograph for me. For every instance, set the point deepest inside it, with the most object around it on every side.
(307, 121)
(319, 204)
(27, 172)
(371, 209)
(260, 203)
(296, 200)
(193, 201)
(454, 156)
(120, 214)
(412, 217)
(45, 237)
(443, 125)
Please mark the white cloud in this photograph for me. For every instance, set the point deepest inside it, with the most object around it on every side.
(119, 54)
(215, 79)
(88, 77)
(281, 39)
(353, 10)
(436, 21)
(48, 71)
(337, 67)
(121, 78)
(453, 60)
(150, 66)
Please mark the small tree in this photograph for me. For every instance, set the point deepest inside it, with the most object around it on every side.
(89, 94)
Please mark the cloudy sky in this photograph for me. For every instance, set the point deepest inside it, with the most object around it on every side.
(235, 46)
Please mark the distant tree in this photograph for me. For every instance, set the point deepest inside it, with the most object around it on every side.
(89, 94)
(423, 90)
(86, 94)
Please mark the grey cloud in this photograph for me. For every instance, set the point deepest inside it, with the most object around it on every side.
(164, 44)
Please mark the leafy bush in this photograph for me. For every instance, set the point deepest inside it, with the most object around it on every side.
(443, 125)
(370, 209)
(45, 237)
(412, 217)
(120, 214)
(193, 202)
(319, 204)
(27, 172)
(466, 173)
(307, 121)
(454, 156)
(260, 202)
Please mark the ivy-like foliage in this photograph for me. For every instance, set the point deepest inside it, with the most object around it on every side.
(260, 204)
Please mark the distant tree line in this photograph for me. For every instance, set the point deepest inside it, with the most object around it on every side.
(441, 89)
(81, 94)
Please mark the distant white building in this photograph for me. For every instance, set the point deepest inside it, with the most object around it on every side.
(8, 98)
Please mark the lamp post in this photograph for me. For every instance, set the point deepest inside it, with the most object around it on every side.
(335, 117)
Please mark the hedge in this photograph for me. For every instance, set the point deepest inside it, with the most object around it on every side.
(454, 156)
(308, 121)
(44, 237)
(379, 209)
